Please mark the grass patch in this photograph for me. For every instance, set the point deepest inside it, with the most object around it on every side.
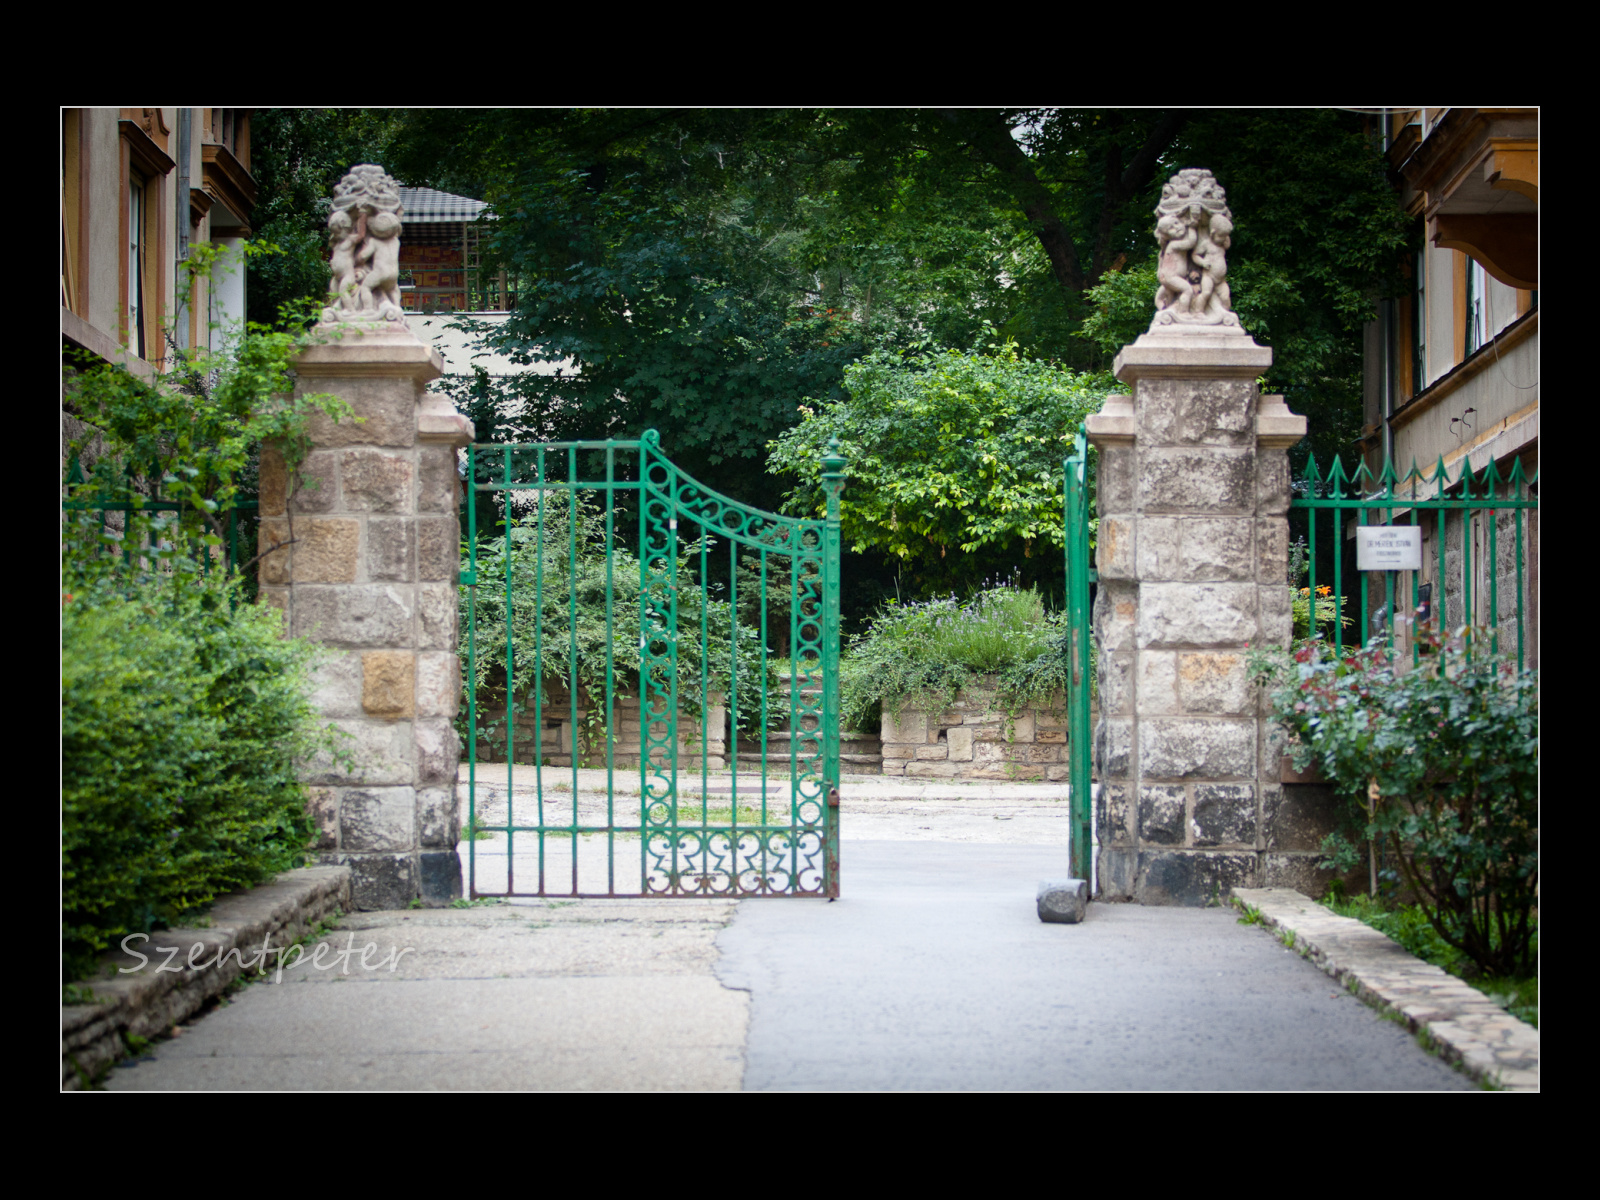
(1408, 925)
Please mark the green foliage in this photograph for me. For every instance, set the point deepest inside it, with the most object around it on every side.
(1440, 763)
(949, 454)
(182, 720)
(923, 654)
(1329, 608)
(559, 581)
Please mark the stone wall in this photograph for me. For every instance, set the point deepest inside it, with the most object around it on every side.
(1192, 560)
(361, 552)
(978, 737)
(552, 730)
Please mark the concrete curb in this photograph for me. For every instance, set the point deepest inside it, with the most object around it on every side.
(1463, 1025)
(165, 989)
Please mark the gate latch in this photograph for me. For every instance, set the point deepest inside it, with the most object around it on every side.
(833, 797)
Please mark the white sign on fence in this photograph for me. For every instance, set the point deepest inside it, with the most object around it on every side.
(1388, 548)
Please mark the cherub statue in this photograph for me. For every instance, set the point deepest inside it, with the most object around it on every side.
(380, 276)
(344, 240)
(1213, 303)
(1177, 236)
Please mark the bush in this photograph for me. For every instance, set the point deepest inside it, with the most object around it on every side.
(1438, 762)
(925, 653)
(182, 717)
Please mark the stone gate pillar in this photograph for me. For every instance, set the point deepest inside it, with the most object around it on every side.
(366, 561)
(1192, 558)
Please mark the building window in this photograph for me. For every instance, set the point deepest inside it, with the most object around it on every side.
(136, 264)
(1419, 326)
(1477, 316)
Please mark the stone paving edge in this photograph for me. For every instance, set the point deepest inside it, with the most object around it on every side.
(1463, 1025)
(149, 1001)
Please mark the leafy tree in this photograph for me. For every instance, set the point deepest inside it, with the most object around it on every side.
(954, 460)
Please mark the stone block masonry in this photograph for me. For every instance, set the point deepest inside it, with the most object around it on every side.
(361, 552)
(1192, 560)
(978, 736)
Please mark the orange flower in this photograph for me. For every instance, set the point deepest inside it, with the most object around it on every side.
(1324, 591)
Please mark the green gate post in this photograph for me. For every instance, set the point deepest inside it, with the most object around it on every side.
(1079, 577)
(833, 484)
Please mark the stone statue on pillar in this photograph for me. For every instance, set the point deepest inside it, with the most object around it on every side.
(364, 236)
(1195, 229)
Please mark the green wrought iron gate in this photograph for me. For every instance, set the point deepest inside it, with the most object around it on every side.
(1479, 534)
(1080, 575)
(652, 680)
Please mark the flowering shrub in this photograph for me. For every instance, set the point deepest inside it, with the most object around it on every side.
(1440, 763)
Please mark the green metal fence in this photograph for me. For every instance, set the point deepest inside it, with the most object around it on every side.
(1479, 554)
(1080, 574)
(625, 626)
(107, 519)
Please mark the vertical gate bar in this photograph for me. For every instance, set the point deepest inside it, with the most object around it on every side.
(472, 673)
(1522, 584)
(644, 669)
(833, 464)
(511, 683)
(1438, 480)
(1467, 532)
(1493, 566)
(1416, 578)
(672, 667)
(733, 673)
(764, 684)
(541, 509)
(705, 671)
(794, 709)
(1311, 558)
(611, 698)
(572, 645)
(1388, 589)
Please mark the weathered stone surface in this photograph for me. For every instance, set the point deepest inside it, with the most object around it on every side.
(1063, 902)
(336, 684)
(1272, 481)
(1116, 608)
(1020, 727)
(1113, 747)
(438, 751)
(317, 490)
(931, 770)
(1158, 682)
(1297, 871)
(1054, 737)
(1216, 549)
(373, 481)
(326, 550)
(1224, 814)
(1161, 815)
(272, 544)
(1116, 698)
(390, 555)
(273, 483)
(1213, 480)
(1214, 683)
(382, 881)
(1117, 873)
(437, 481)
(441, 877)
(388, 684)
(1157, 558)
(1189, 614)
(377, 818)
(901, 749)
(438, 549)
(436, 616)
(937, 752)
(1039, 752)
(381, 754)
(438, 684)
(960, 740)
(1191, 878)
(1116, 479)
(1272, 549)
(1113, 811)
(910, 727)
(387, 404)
(377, 615)
(1276, 620)
(323, 804)
(438, 818)
(1199, 412)
(1181, 748)
(1298, 816)
(1116, 548)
